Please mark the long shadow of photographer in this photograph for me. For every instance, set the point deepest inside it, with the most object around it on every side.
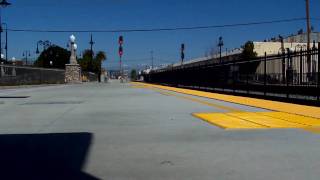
(44, 156)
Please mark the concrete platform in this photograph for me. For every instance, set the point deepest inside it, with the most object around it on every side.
(139, 133)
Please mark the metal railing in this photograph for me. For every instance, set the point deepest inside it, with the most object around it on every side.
(290, 76)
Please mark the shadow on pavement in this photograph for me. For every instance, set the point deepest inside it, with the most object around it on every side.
(44, 156)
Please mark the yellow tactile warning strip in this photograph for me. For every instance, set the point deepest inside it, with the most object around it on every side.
(266, 120)
(259, 120)
(308, 111)
(303, 120)
(227, 122)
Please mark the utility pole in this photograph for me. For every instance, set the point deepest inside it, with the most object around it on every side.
(91, 53)
(120, 55)
(91, 47)
(283, 61)
(308, 23)
(308, 35)
(151, 59)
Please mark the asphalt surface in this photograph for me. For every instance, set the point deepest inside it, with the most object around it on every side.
(114, 131)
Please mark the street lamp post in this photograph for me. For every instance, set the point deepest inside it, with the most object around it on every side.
(26, 54)
(73, 45)
(220, 44)
(3, 4)
(45, 45)
(6, 46)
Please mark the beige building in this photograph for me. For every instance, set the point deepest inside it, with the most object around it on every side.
(274, 48)
(275, 66)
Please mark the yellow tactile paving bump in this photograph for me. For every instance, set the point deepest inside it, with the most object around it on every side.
(259, 120)
(268, 121)
(308, 111)
(227, 122)
(308, 121)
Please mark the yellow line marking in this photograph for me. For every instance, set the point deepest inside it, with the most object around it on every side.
(302, 110)
(196, 100)
(206, 103)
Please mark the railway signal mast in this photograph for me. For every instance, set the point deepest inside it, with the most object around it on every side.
(220, 44)
(120, 55)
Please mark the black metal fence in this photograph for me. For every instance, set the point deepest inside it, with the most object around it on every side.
(291, 76)
(23, 75)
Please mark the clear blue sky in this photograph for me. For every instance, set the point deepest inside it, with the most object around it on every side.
(124, 14)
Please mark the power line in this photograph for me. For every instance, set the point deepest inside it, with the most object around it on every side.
(160, 29)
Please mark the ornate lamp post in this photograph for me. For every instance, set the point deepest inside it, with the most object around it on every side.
(73, 70)
(74, 46)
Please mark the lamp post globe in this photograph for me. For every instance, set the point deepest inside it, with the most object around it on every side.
(75, 46)
(13, 60)
(72, 38)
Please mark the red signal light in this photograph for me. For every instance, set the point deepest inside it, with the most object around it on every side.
(121, 40)
(120, 51)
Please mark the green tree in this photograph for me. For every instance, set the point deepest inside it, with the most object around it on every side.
(133, 75)
(248, 54)
(86, 61)
(58, 55)
(99, 59)
(248, 51)
(91, 63)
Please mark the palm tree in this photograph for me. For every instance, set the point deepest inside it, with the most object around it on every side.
(100, 57)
